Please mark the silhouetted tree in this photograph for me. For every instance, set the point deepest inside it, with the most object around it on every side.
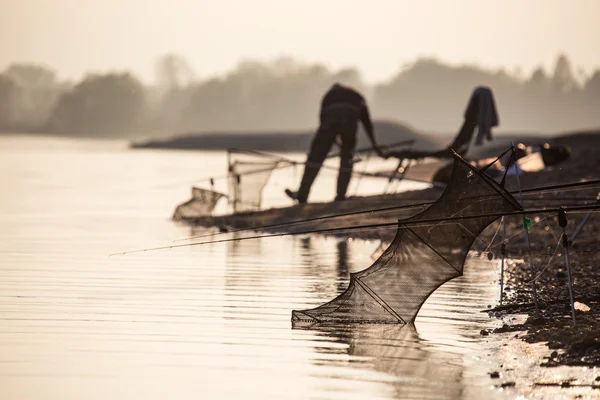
(37, 94)
(282, 95)
(175, 77)
(174, 71)
(29, 75)
(592, 90)
(538, 81)
(433, 96)
(8, 96)
(100, 105)
(563, 80)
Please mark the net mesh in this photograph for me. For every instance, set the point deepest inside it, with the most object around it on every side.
(421, 257)
(248, 175)
(203, 202)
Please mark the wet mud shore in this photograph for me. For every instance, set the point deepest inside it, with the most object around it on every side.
(551, 322)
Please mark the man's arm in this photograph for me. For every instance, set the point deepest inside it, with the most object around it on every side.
(365, 118)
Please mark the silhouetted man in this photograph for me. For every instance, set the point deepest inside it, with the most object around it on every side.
(341, 109)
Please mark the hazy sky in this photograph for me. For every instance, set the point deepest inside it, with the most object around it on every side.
(378, 36)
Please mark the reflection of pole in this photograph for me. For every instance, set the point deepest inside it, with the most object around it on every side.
(503, 257)
(526, 227)
(562, 221)
(230, 177)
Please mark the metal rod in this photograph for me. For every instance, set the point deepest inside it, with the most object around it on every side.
(503, 251)
(563, 221)
(531, 269)
(569, 278)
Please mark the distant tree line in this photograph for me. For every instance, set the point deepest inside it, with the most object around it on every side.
(285, 95)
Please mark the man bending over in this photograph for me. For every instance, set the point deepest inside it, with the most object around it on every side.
(341, 109)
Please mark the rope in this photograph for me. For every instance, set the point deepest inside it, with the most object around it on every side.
(521, 231)
(366, 165)
(539, 274)
(288, 162)
(493, 237)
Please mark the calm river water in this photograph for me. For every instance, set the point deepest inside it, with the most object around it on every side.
(206, 322)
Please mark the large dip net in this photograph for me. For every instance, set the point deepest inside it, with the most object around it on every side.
(203, 202)
(248, 175)
(422, 256)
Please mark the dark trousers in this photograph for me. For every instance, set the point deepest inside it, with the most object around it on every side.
(321, 144)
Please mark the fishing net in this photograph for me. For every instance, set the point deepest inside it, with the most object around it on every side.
(202, 203)
(421, 257)
(248, 175)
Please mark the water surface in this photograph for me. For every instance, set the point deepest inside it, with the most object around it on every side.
(201, 322)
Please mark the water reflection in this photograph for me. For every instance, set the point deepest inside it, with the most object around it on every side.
(263, 282)
(197, 322)
(343, 256)
(399, 357)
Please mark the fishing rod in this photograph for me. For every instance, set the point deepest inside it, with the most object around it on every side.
(291, 162)
(384, 209)
(521, 192)
(400, 224)
(359, 151)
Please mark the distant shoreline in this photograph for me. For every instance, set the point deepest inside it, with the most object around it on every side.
(280, 141)
(299, 141)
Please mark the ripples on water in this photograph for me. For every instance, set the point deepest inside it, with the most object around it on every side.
(198, 322)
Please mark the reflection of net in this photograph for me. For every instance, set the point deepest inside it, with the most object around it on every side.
(414, 371)
(383, 245)
(420, 258)
(203, 202)
(247, 179)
